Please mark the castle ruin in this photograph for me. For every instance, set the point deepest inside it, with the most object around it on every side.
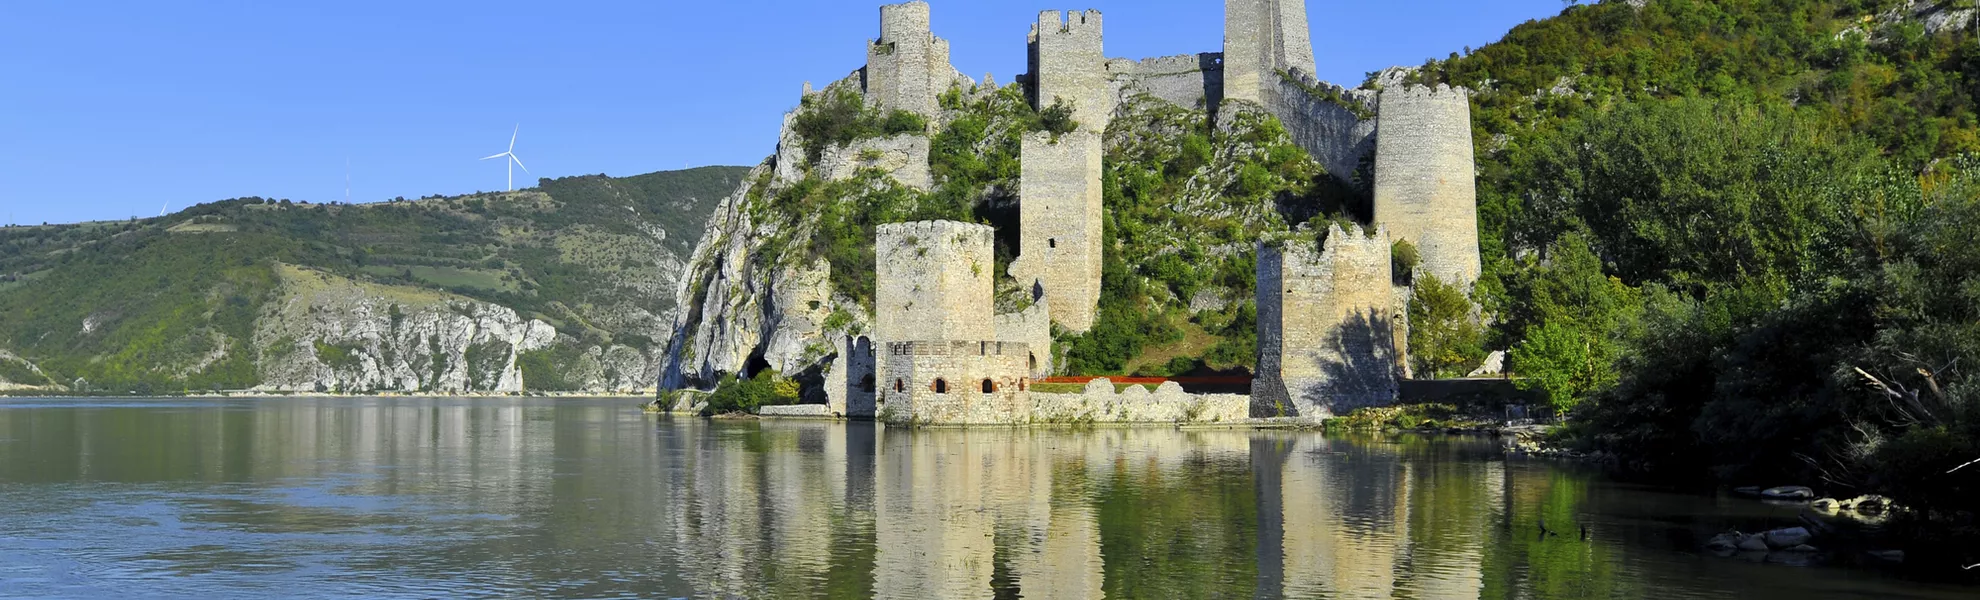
(1326, 336)
(1425, 181)
(1329, 324)
(941, 363)
(908, 67)
(1069, 62)
(1059, 217)
(1263, 39)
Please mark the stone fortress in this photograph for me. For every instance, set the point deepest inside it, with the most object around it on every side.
(1331, 324)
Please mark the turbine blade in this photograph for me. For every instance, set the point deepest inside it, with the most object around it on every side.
(519, 163)
(495, 156)
(512, 137)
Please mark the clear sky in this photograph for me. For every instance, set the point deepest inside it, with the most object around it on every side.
(112, 109)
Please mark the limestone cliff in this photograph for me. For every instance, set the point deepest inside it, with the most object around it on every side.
(330, 334)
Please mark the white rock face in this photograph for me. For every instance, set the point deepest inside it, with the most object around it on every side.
(329, 334)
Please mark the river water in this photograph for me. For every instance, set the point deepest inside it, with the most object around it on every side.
(422, 498)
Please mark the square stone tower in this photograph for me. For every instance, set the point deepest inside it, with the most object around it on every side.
(934, 282)
(1425, 180)
(941, 363)
(1068, 60)
(1326, 339)
(908, 67)
(1059, 216)
(1261, 39)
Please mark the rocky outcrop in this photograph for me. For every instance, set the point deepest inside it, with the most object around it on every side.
(330, 334)
(18, 373)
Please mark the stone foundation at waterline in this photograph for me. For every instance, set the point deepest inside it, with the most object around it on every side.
(1167, 404)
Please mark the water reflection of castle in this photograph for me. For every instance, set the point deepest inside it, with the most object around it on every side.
(967, 513)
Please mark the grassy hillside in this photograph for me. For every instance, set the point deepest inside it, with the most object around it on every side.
(143, 305)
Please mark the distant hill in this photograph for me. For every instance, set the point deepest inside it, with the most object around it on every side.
(411, 295)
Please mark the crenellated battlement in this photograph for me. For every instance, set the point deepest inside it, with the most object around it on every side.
(1069, 62)
(1424, 93)
(1073, 23)
(907, 66)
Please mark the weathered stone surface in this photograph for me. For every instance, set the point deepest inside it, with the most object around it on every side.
(1425, 186)
(934, 282)
(1068, 61)
(1325, 340)
(1263, 38)
(908, 66)
(941, 363)
(797, 411)
(955, 383)
(1060, 217)
(1033, 328)
(1189, 81)
(1167, 404)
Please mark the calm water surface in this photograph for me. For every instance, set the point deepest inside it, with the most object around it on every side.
(542, 498)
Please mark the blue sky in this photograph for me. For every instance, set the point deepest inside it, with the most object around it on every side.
(114, 109)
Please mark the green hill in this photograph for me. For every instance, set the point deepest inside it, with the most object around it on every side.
(174, 303)
(1735, 237)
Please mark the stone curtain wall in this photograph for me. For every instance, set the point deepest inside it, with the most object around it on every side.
(1033, 328)
(1068, 60)
(1189, 81)
(1333, 133)
(1326, 342)
(934, 282)
(1425, 187)
(941, 383)
(1060, 221)
(908, 66)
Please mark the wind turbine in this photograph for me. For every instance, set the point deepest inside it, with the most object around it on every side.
(513, 162)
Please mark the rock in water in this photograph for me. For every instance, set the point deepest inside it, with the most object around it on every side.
(1754, 543)
(1791, 492)
(1788, 538)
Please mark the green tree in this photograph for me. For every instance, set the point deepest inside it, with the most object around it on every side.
(1445, 338)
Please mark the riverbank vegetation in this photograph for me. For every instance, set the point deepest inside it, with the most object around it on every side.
(1735, 239)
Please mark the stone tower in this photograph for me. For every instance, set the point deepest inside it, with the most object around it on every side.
(1261, 39)
(940, 359)
(1068, 60)
(908, 67)
(1425, 186)
(934, 282)
(1059, 220)
(1326, 342)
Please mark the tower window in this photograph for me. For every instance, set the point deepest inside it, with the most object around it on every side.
(900, 385)
(989, 387)
(1054, 242)
(866, 384)
(941, 386)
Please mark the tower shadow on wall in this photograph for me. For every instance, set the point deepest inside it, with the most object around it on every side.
(1358, 362)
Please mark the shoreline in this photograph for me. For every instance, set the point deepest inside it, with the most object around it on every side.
(301, 395)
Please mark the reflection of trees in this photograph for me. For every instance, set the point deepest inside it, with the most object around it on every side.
(536, 498)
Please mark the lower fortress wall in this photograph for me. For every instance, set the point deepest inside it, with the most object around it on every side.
(1167, 404)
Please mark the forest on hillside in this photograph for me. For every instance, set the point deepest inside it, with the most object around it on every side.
(1735, 238)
